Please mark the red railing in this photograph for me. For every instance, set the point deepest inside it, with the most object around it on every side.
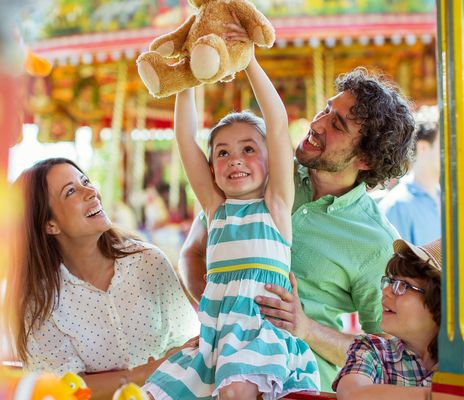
(306, 395)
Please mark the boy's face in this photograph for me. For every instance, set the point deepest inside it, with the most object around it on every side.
(406, 316)
(239, 161)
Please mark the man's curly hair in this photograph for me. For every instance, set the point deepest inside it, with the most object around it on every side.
(387, 126)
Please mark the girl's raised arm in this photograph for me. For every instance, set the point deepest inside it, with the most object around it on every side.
(194, 160)
(280, 186)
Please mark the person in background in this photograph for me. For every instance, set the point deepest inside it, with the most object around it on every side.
(90, 299)
(400, 367)
(413, 206)
(341, 241)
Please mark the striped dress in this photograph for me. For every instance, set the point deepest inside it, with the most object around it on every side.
(245, 251)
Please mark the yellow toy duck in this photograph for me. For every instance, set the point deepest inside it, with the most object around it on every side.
(130, 391)
(77, 385)
(15, 385)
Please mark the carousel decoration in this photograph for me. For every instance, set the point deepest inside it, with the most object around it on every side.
(88, 43)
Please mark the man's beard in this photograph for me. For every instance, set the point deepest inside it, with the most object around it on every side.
(327, 165)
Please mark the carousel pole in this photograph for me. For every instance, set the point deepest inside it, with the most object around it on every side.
(448, 382)
(329, 74)
(245, 97)
(174, 178)
(111, 195)
(138, 164)
(318, 77)
(309, 93)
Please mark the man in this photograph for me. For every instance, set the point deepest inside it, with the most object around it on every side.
(341, 241)
(413, 206)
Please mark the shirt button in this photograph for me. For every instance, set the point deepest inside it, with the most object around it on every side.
(305, 211)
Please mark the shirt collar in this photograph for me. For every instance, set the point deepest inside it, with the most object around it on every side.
(417, 189)
(397, 350)
(337, 202)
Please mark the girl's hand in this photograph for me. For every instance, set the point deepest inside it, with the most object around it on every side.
(235, 31)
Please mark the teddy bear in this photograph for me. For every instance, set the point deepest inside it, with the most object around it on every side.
(204, 56)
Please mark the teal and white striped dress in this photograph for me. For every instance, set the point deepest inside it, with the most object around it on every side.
(245, 251)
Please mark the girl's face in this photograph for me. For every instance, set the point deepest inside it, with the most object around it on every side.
(239, 161)
(75, 204)
(406, 316)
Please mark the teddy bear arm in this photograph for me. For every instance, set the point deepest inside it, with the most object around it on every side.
(172, 43)
(258, 27)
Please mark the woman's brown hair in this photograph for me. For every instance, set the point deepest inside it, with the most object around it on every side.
(407, 264)
(34, 285)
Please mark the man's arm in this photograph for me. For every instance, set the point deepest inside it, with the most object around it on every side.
(192, 260)
(288, 313)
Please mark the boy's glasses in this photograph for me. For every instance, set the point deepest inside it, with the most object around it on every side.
(399, 287)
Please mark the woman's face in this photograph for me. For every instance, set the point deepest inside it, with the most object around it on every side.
(406, 316)
(75, 205)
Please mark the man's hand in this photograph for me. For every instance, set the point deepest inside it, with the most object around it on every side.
(286, 312)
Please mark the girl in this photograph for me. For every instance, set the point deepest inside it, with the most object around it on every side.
(246, 192)
(400, 367)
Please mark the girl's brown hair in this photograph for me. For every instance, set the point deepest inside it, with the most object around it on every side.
(34, 285)
(407, 264)
(245, 117)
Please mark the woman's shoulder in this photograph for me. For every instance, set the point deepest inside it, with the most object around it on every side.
(130, 245)
(146, 252)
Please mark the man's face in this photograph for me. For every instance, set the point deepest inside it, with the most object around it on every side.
(331, 142)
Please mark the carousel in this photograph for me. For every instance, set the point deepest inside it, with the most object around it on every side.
(94, 81)
(94, 84)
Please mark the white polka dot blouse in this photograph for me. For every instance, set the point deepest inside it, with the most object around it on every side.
(143, 313)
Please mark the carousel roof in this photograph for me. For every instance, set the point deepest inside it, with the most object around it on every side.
(327, 30)
(76, 32)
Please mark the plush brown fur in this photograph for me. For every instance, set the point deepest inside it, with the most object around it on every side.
(204, 56)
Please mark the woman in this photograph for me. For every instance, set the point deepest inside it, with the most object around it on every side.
(94, 301)
(400, 367)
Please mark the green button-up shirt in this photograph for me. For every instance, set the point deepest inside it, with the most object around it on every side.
(341, 246)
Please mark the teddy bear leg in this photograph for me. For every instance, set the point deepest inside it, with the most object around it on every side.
(209, 58)
(149, 76)
(164, 79)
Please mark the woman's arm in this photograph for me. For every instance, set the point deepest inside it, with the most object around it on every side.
(104, 384)
(195, 164)
(360, 387)
(50, 349)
